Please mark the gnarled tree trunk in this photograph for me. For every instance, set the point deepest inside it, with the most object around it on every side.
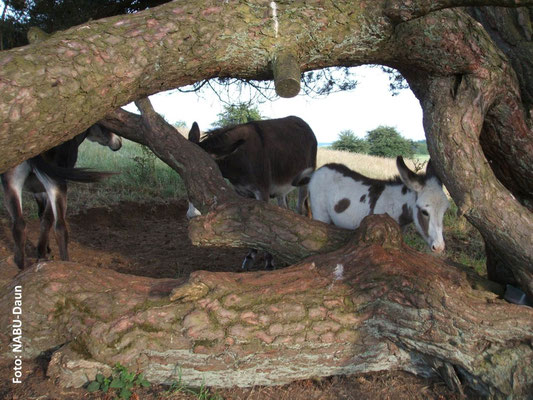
(373, 304)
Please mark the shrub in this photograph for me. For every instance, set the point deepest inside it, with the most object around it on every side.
(347, 141)
(236, 114)
(385, 141)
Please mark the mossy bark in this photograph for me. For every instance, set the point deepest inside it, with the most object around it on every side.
(373, 304)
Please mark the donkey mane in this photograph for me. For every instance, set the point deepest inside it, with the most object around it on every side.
(226, 129)
(365, 180)
(221, 137)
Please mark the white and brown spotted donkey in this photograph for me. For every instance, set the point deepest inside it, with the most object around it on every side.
(344, 197)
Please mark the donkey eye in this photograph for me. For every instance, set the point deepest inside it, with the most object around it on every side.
(425, 213)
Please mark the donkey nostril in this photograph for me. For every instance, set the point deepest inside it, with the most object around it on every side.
(437, 249)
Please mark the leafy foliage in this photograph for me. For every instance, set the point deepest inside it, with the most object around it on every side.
(145, 164)
(122, 381)
(313, 83)
(397, 82)
(347, 141)
(421, 147)
(237, 114)
(328, 80)
(385, 141)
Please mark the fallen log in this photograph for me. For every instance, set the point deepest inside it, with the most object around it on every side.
(373, 304)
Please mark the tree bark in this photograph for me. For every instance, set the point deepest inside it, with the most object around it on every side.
(373, 304)
(512, 30)
(459, 110)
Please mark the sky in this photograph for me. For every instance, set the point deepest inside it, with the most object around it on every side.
(371, 104)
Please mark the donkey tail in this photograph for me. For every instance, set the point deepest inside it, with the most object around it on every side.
(83, 175)
(303, 177)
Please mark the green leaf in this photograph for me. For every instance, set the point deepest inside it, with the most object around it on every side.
(93, 386)
(125, 394)
(119, 367)
(145, 383)
(116, 384)
(99, 378)
(141, 381)
(127, 377)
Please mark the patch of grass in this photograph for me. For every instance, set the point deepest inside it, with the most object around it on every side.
(122, 382)
(371, 166)
(201, 393)
(141, 177)
(464, 243)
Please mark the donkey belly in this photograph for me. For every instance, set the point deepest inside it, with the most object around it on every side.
(348, 212)
(338, 199)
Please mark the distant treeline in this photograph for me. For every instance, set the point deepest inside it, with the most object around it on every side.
(384, 141)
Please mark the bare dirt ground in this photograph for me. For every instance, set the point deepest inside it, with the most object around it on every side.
(151, 240)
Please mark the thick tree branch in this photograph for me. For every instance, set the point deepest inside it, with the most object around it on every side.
(125, 124)
(403, 10)
(204, 183)
(512, 31)
(473, 183)
(205, 186)
(368, 305)
(289, 237)
(77, 76)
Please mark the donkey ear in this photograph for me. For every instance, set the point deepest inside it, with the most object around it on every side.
(430, 172)
(408, 177)
(194, 133)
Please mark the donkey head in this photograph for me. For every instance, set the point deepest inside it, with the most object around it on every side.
(431, 203)
(104, 137)
(219, 144)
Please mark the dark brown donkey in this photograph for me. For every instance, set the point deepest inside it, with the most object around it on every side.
(46, 176)
(262, 159)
